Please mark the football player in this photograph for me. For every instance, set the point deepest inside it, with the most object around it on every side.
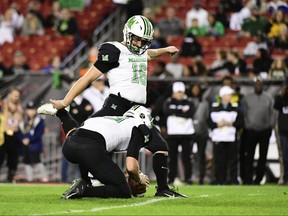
(125, 65)
(89, 144)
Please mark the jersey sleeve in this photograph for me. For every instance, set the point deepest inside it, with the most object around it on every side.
(135, 144)
(108, 57)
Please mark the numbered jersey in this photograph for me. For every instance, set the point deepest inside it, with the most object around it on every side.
(116, 130)
(126, 72)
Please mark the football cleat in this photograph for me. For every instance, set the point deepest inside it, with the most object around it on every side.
(76, 190)
(170, 193)
(48, 109)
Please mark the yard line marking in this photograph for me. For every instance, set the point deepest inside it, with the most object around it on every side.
(256, 194)
(110, 207)
(207, 195)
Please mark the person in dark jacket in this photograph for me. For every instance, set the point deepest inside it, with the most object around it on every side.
(31, 132)
(281, 105)
(178, 110)
(225, 120)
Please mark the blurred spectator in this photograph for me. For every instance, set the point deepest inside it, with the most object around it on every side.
(238, 65)
(195, 29)
(281, 42)
(35, 6)
(262, 62)
(171, 26)
(11, 114)
(158, 40)
(278, 69)
(254, 25)
(281, 105)
(259, 120)
(97, 93)
(91, 59)
(31, 131)
(221, 15)
(7, 28)
(232, 5)
(17, 18)
(175, 67)
(19, 65)
(149, 14)
(220, 67)
(190, 47)
(214, 28)
(200, 120)
(259, 41)
(32, 25)
(197, 69)
(55, 69)
(225, 121)
(276, 23)
(160, 70)
(226, 81)
(51, 21)
(262, 5)
(133, 7)
(275, 5)
(55, 63)
(178, 110)
(237, 18)
(67, 25)
(197, 12)
(80, 110)
(3, 69)
(158, 89)
(76, 5)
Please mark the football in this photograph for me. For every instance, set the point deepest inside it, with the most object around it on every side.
(138, 190)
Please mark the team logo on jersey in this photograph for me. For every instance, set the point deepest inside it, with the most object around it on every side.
(105, 57)
(146, 138)
(113, 106)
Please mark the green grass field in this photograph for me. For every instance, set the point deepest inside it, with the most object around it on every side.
(32, 199)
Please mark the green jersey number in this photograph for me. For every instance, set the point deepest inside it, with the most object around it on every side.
(118, 119)
(139, 73)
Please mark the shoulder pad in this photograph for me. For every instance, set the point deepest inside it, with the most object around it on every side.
(234, 104)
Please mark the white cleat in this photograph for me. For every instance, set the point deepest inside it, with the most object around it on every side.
(47, 109)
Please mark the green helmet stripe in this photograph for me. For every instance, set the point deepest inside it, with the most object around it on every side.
(147, 31)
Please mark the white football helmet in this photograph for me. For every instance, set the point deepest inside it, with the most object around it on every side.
(141, 27)
(141, 115)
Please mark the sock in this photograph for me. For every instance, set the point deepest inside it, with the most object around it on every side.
(42, 171)
(68, 122)
(29, 173)
(160, 167)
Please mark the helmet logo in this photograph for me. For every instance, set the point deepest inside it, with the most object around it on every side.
(142, 116)
(131, 21)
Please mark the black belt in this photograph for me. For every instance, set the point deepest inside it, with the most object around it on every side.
(127, 103)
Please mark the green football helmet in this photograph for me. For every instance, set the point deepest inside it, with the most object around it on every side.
(141, 28)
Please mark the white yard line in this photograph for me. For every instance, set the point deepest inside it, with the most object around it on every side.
(108, 207)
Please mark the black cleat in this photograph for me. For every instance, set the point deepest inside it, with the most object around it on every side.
(170, 193)
(76, 190)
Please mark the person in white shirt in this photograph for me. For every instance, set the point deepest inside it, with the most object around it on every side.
(197, 12)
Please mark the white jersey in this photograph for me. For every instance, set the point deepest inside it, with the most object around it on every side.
(129, 78)
(116, 130)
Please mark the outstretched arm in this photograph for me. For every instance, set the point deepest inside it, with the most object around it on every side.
(92, 74)
(154, 53)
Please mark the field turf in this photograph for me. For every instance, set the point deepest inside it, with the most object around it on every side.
(33, 199)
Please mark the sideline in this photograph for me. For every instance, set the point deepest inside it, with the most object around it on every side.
(109, 207)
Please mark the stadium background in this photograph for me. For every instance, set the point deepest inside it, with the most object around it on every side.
(101, 21)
